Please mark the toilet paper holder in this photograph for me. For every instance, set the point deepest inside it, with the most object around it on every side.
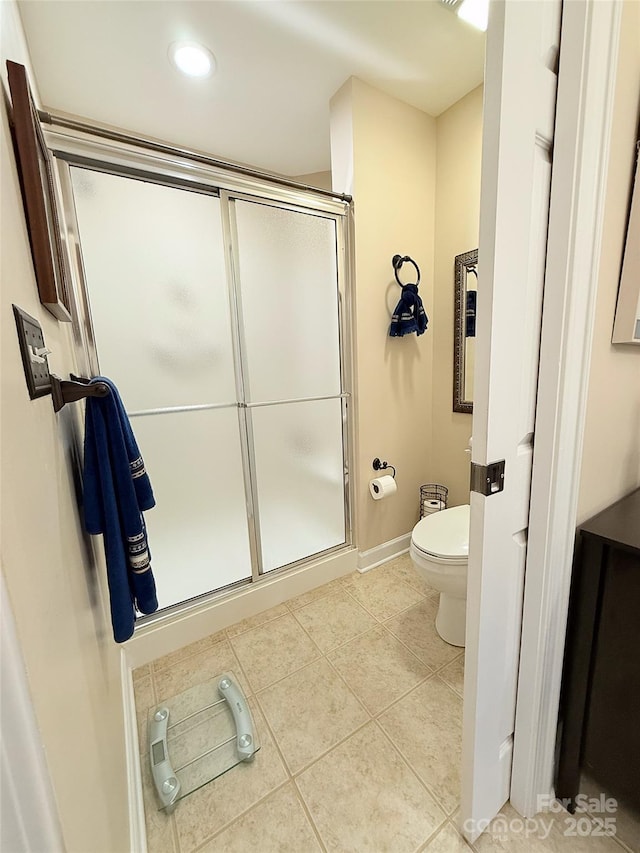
(383, 466)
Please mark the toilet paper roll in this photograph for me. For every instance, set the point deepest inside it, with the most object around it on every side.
(383, 487)
(429, 507)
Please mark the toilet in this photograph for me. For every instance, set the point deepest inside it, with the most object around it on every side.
(440, 552)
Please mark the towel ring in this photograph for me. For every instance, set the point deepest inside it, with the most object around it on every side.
(397, 261)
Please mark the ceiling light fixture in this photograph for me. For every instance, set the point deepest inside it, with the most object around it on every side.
(475, 12)
(192, 58)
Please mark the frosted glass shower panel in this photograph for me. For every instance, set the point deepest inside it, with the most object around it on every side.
(155, 271)
(198, 528)
(300, 479)
(289, 287)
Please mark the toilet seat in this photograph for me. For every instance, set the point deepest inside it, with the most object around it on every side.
(443, 537)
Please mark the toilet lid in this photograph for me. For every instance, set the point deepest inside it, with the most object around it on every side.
(444, 534)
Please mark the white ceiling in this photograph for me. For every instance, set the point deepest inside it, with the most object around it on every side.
(279, 63)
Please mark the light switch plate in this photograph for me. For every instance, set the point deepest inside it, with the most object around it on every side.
(31, 338)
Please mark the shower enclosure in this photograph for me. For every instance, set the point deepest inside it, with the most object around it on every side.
(217, 305)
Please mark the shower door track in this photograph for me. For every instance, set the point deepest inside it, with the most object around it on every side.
(117, 135)
(122, 157)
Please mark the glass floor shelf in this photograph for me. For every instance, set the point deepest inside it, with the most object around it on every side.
(198, 735)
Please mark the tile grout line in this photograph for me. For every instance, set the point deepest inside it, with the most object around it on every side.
(176, 835)
(427, 785)
(322, 653)
(257, 690)
(306, 666)
(389, 633)
(407, 647)
(430, 790)
(274, 738)
(160, 668)
(448, 686)
(339, 586)
(393, 615)
(326, 656)
(449, 822)
(384, 710)
(340, 645)
(327, 752)
(307, 812)
(400, 640)
(238, 817)
(422, 784)
(260, 624)
(421, 848)
(349, 688)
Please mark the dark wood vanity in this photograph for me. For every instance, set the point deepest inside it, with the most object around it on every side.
(600, 710)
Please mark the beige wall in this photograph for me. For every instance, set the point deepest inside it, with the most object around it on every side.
(383, 152)
(316, 179)
(458, 161)
(611, 456)
(72, 664)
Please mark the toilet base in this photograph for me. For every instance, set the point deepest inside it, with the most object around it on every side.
(451, 619)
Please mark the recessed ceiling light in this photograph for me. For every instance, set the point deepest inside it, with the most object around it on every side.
(192, 58)
(475, 12)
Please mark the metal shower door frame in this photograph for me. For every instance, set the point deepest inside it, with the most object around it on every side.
(73, 148)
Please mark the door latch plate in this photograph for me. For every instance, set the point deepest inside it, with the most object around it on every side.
(487, 479)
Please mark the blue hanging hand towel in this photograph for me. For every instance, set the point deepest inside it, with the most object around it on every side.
(470, 314)
(409, 315)
(116, 492)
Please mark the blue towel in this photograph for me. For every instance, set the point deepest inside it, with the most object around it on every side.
(116, 491)
(409, 315)
(470, 314)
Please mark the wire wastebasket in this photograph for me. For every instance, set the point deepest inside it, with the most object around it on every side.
(433, 498)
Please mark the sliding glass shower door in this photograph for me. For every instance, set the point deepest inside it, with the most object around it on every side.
(287, 274)
(218, 319)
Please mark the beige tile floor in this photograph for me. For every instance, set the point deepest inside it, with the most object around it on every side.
(358, 706)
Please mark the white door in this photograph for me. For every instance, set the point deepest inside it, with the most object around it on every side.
(519, 110)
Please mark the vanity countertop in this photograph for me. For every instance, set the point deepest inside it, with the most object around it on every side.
(619, 524)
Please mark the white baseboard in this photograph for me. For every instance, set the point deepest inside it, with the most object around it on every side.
(137, 829)
(174, 630)
(381, 553)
